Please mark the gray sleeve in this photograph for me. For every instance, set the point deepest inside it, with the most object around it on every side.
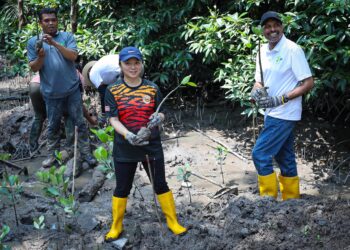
(31, 52)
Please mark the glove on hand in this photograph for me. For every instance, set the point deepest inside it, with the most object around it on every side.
(38, 44)
(144, 134)
(155, 120)
(135, 140)
(258, 93)
(272, 101)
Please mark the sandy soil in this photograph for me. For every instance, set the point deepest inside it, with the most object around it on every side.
(233, 220)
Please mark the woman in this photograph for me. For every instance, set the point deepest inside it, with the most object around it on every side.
(130, 106)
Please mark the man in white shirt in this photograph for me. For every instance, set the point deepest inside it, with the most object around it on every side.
(285, 77)
(100, 74)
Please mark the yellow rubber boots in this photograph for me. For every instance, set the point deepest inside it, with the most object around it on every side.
(167, 204)
(289, 187)
(118, 211)
(268, 185)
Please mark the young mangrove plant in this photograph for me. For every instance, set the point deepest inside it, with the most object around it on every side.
(39, 223)
(183, 175)
(185, 81)
(104, 154)
(56, 188)
(11, 188)
(4, 231)
(221, 153)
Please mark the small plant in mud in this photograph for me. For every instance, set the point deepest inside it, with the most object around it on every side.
(104, 154)
(183, 175)
(39, 223)
(11, 188)
(56, 188)
(221, 153)
(4, 231)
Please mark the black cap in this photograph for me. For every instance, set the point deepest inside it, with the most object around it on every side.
(268, 15)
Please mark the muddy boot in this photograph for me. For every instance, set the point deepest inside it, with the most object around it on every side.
(289, 187)
(118, 211)
(268, 185)
(35, 132)
(167, 204)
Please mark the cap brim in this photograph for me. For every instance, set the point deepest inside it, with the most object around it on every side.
(86, 71)
(125, 58)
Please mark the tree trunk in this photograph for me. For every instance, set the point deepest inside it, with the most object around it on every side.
(74, 15)
(20, 14)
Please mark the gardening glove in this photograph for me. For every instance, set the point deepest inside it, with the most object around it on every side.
(135, 140)
(272, 101)
(144, 134)
(155, 120)
(258, 93)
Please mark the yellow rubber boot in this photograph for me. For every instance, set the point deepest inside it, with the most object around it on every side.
(118, 211)
(289, 187)
(167, 204)
(268, 185)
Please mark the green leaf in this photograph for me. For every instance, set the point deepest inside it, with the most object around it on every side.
(53, 191)
(185, 80)
(192, 84)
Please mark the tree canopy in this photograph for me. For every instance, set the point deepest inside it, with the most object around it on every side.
(214, 41)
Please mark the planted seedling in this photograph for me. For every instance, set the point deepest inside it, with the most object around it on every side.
(39, 223)
(56, 188)
(183, 174)
(221, 156)
(4, 231)
(11, 187)
(104, 154)
(185, 81)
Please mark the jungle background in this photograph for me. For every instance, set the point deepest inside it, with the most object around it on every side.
(215, 42)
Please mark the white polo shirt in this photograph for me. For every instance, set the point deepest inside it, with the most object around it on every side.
(283, 67)
(106, 70)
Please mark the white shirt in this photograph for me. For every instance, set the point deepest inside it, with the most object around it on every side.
(106, 70)
(283, 67)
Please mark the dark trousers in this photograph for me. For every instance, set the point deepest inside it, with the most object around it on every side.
(125, 172)
(102, 91)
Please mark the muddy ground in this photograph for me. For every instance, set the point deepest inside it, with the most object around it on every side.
(237, 219)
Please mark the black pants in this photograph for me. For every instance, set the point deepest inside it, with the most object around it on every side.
(102, 91)
(125, 172)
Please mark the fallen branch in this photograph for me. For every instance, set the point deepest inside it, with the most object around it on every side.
(241, 157)
(12, 165)
(222, 191)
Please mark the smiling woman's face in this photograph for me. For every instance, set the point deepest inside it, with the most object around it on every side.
(131, 68)
(273, 31)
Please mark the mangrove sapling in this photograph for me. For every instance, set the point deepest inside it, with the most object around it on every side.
(183, 174)
(4, 231)
(185, 81)
(39, 223)
(11, 187)
(221, 156)
(56, 188)
(104, 154)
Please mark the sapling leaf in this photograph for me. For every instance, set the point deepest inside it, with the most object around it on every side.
(52, 191)
(185, 80)
(5, 230)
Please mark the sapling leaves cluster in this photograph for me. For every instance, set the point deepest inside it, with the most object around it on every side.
(104, 153)
(183, 174)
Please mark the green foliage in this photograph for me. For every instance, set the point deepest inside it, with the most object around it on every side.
(39, 223)
(5, 156)
(11, 186)
(215, 41)
(4, 231)
(104, 154)
(56, 187)
(184, 173)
